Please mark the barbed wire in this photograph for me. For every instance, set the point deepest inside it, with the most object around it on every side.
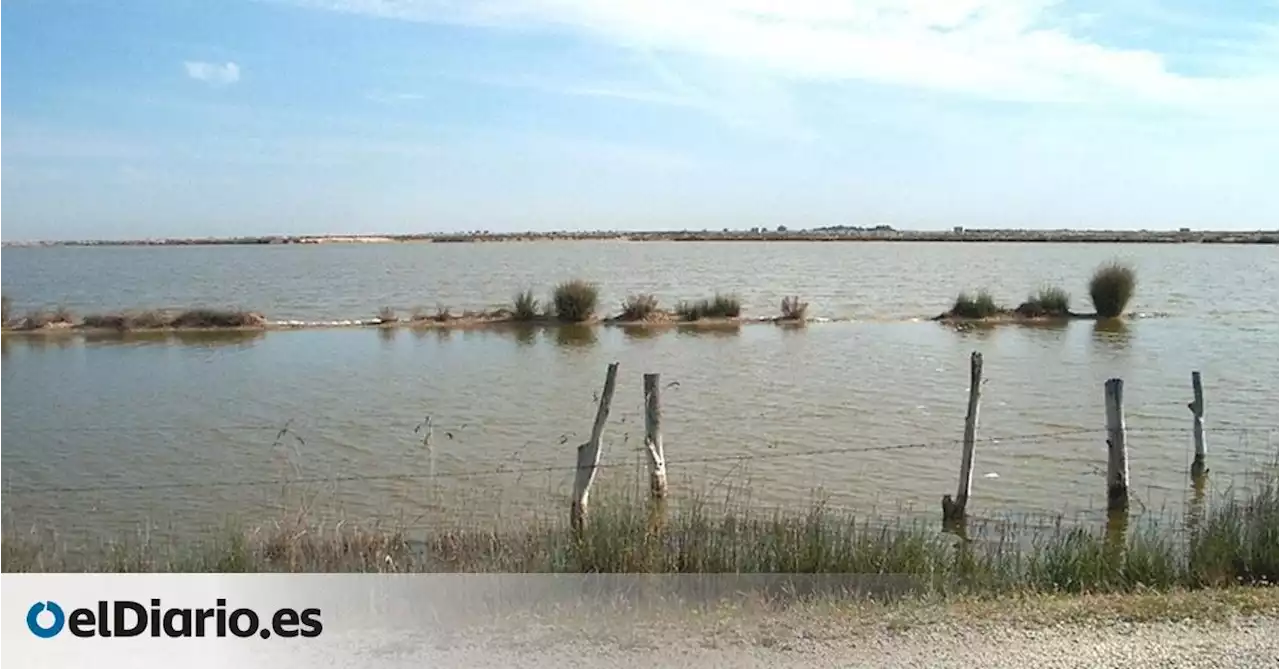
(347, 478)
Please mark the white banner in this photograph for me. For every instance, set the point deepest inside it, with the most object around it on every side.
(280, 621)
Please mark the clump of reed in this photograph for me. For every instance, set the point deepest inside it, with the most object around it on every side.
(387, 315)
(5, 303)
(1048, 301)
(793, 309)
(575, 301)
(980, 306)
(720, 306)
(1111, 288)
(640, 307)
(217, 318)
(135, 320)
(524, 306)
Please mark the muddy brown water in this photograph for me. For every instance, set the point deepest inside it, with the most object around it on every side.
(182, 431)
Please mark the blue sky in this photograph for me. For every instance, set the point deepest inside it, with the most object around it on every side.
(200, 117)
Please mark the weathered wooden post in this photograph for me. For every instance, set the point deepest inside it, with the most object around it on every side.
(589, 453)
(653, 437)
(954, 510)
(1198, 466)
(1117, 450)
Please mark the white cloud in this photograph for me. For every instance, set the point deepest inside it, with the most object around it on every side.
(1029, 50)
(216, 74)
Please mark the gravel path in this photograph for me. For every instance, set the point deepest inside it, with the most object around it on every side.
(1250, 642)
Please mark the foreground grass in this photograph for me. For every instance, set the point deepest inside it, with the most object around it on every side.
(1233, 542)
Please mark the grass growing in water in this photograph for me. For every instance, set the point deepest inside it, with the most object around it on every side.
(524, 306)
(387, 315)
(140, 320)
(575, 301)
(720, 306)
(793, 309)
(1111, 288)
(1234, 543)
(216, 318)
(639, 307)
(1048, 301)
(982, 306)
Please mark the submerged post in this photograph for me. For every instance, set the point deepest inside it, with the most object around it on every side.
(953, 510)
(1117, 450)
(1198, 466)
(653, 437)
(589, 453)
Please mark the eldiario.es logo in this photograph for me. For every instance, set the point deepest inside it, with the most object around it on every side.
(124, 618)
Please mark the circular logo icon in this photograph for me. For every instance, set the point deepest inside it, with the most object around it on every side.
(45, 631)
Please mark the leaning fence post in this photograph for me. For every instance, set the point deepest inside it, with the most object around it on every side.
(1117, 451)
(954, 509)
(589, 453)
(653, 437)
(1198, 466)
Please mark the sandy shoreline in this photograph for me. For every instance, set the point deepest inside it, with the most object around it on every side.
(829, 235)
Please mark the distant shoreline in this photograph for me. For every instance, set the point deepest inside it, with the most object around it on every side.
(881, 234)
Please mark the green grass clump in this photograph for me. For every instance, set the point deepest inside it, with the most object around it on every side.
(1048, 301)
(524, 306)
(793, 309)
(217, 318)
(1111, 288)
(140, 320)
(720, 306)
(575, 301)
(640, 307)
(982, 306)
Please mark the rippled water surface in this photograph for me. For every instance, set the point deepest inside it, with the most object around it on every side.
(103, 433)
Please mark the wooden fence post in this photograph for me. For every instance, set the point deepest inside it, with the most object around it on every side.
(953, 510)
(653, 436)
(1198, 466)
(589, 453)
(1117, 450)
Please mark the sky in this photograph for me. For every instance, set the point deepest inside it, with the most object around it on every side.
(192, 118)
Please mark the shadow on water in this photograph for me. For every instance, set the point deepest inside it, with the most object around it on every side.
(1050, 330)
(1112, 333)
(718, 330)
(388, 335)
(126, 339)
(642, 333)
(525, 334)
(210, 339)
(974, 330)
(575, 336)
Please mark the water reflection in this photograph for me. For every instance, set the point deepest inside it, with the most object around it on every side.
(1113, 333)
(525, 333)
(575, 336)
(974, 330)
(719, 330)
(641, 333)
(212, 338)
(136, 338)
(388, 335)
